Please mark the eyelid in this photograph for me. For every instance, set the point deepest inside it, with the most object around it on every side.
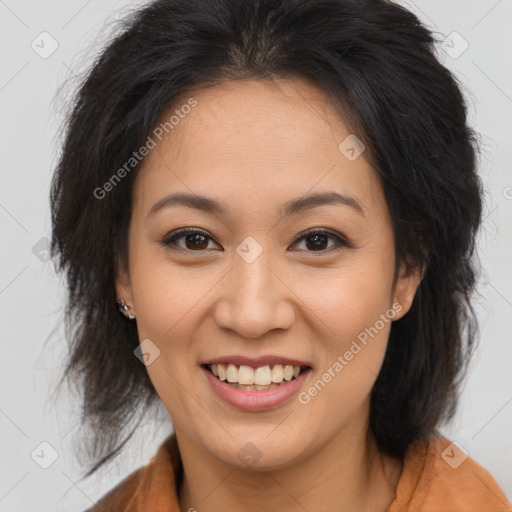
(342, 241)
(169, 239)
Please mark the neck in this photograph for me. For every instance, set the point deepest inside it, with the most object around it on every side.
(348, 474)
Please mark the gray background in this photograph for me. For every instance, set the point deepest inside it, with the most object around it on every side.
(31, 296)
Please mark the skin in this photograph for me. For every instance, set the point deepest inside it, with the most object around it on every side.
(254, 145)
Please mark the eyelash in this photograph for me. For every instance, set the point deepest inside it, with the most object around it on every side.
(342, 241)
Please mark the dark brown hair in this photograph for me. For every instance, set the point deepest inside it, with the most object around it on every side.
(376, 61)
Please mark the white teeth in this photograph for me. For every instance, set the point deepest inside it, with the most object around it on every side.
(254, 387)
(232, 373)
(277, 373)
(262, 376)
(246, 377)
(288, 372)
(221, 370)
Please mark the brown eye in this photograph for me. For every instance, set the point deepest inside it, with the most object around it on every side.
(197, 241)
(194, 240)
(318, 240)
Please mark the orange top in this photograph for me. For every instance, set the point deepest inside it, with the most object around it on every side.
(437, 476)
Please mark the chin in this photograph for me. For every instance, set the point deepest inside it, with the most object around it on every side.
(258, 451)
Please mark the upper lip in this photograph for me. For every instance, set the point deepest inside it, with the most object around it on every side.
(256, 362)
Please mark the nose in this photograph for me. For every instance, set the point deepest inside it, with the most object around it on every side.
(254, 299)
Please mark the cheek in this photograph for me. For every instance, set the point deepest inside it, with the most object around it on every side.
(353, 321)
(168, 296)
(353, 317)
(172, 301)
(340, 312)
(349, 299)
(168, 305)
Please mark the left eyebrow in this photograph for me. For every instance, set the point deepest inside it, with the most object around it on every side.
(320, 199)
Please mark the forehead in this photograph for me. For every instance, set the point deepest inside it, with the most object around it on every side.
(253, 141)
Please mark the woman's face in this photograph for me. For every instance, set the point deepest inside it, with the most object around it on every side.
(247, 284)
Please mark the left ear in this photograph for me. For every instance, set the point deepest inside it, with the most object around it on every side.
(407, 282)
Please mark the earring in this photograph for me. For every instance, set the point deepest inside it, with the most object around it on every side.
(123, 307)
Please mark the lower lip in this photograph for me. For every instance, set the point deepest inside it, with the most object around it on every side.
(255, 400)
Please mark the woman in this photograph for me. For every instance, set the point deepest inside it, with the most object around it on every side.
(267, 213)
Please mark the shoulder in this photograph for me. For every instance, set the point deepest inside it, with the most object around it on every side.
(438, 475)
(151, 487)
(122, 495)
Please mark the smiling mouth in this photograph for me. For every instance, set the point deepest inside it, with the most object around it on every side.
(255, 379)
